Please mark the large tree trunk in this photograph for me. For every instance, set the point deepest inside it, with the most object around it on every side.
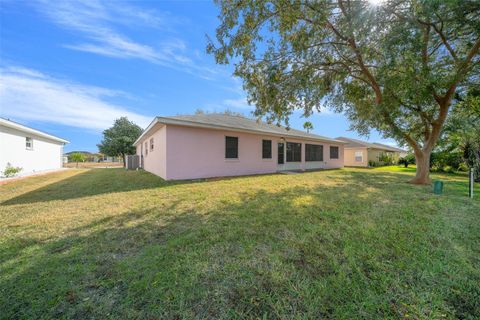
(422, 175)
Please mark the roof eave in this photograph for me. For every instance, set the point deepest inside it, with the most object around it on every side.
(150, 126)
(21, 127)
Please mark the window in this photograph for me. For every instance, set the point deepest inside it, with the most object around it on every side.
(294, 152)
(358, 156)
(28, 143)
(267, 149)
(231, 147)
(313, 152)
(281, 153)
(333, 152)
(146, 148)
(151, 144)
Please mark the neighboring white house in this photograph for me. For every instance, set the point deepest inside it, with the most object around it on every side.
(29, 149)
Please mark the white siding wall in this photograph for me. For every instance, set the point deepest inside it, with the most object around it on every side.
(46, 154)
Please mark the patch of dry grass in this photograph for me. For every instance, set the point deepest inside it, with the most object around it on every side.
(87, 165)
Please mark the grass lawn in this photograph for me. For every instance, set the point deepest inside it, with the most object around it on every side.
(395, 168)
(343, 244)
(93, 164)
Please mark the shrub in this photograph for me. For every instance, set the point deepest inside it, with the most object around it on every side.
(463, 167)
(408, 159)
(448, 169)
(385, 159)
(440, 160)
(11, 171)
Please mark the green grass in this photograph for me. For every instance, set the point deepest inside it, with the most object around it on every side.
(395, 168)
(343, 244)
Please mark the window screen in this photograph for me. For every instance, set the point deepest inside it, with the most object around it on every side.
(294, 152)
(151, 144)
(231, 147)
(267, 149)
(146, 148)
(333, 152)
(313, 152)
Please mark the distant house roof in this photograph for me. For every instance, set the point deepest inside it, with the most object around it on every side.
(221, 121)
(355, 143)
(390, 147)
(11, 124)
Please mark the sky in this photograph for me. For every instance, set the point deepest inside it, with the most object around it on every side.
(70, 68)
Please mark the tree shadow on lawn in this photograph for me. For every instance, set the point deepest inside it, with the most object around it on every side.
(93, 182)
(102, 181)
(306, 252)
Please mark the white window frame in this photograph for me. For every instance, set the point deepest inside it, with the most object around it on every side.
(31, 143)
(151, 144)
(359, 154)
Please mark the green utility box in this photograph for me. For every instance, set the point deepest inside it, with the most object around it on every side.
(437, 187)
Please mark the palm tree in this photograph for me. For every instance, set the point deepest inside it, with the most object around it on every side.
(308, 126)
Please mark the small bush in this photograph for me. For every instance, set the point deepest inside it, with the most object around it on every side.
(448, 169)
(385, 159)
(439, 160)
(463, 167)
(408, 159)
(11, 171)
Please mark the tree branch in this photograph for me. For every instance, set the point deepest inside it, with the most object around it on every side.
(363, 67)
(444, 41)
(426, 36)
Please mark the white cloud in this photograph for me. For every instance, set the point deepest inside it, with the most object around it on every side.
(240, 103)
(97, 22)
(30, 95)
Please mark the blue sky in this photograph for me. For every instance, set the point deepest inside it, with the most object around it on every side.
(71, 67)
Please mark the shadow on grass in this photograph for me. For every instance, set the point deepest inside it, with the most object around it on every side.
(100, 181)
(93, 182)
(321, 252)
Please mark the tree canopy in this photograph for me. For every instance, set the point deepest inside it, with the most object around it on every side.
(77, 157)
(118, 140)
(395, 67)
(462, 130)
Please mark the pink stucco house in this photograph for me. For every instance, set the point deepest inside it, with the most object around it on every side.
(215, 145)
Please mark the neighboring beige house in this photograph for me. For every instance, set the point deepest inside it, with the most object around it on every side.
(364, 154)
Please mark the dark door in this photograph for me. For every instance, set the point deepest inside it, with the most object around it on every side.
(281, 152)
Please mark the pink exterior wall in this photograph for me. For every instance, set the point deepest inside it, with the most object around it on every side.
(155, 161)
(183, 152)
(200, 153)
